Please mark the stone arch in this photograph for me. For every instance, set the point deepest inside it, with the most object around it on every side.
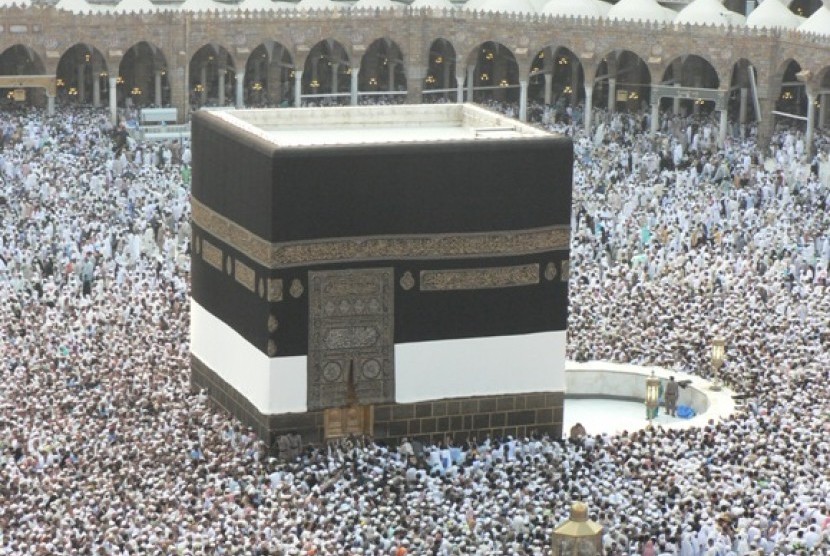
(19, 59)
(493, 74)
(556, 76)
(791, 94)
(781, 69)
(269, 75)
(805, 8)
(142, 77)
(441, 71)
(622, 71)
(327, 73)
(693, 71)
(382, 68)
(82, 75)
(212, 76)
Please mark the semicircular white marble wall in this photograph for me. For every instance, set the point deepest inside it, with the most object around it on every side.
(605, 380)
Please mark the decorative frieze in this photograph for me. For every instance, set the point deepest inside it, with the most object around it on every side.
(480, 278)
(433, 246)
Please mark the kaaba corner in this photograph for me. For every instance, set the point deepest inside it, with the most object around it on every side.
(387, 270)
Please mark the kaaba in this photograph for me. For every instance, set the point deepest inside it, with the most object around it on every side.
(394, 271)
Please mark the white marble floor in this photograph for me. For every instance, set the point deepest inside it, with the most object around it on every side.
(612, 416)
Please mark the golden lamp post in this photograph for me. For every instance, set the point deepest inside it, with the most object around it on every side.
(578, 536)
(652, 397)
(718, 357)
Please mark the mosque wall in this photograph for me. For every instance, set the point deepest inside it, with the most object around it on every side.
(174, 38)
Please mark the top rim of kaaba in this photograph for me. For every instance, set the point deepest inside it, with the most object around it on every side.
(287, 128)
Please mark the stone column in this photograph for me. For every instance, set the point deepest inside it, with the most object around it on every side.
(157, 91)
(273, 80)
(811, 122)
(675, 106)
(459, 89)
(203, 81)
(315, 74)
(96, 89)
(445, 81)
(523, 100)
(415, 84)
(113, 99)
(258, 72)
(499, 73)
(391, 77)
(765, 126)
(298, 88)
(548, 88)
(240, 90)
(742, 111)
(354, 85)
(698, 84)
(743, 107)
(179, 81)
(549, 67)
(589, 108)
(82, 83)
(574, 83)
(724, 123)
(50, 104)
(822, 113)
(335, 78)
(612, 94)
(471, 75)
(655, 118)
(221, 71)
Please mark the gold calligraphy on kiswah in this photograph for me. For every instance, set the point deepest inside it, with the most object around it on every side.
(479, 278)
(397, 247)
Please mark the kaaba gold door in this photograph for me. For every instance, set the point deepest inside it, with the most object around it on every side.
(355, 420)
(351, 346)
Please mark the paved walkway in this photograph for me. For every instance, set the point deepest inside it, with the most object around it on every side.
(611, 416)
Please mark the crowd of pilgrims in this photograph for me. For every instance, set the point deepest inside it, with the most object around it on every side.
(104, 449)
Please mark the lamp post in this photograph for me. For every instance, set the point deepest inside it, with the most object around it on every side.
(652, 396)
(578, 536)
(718, 357)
